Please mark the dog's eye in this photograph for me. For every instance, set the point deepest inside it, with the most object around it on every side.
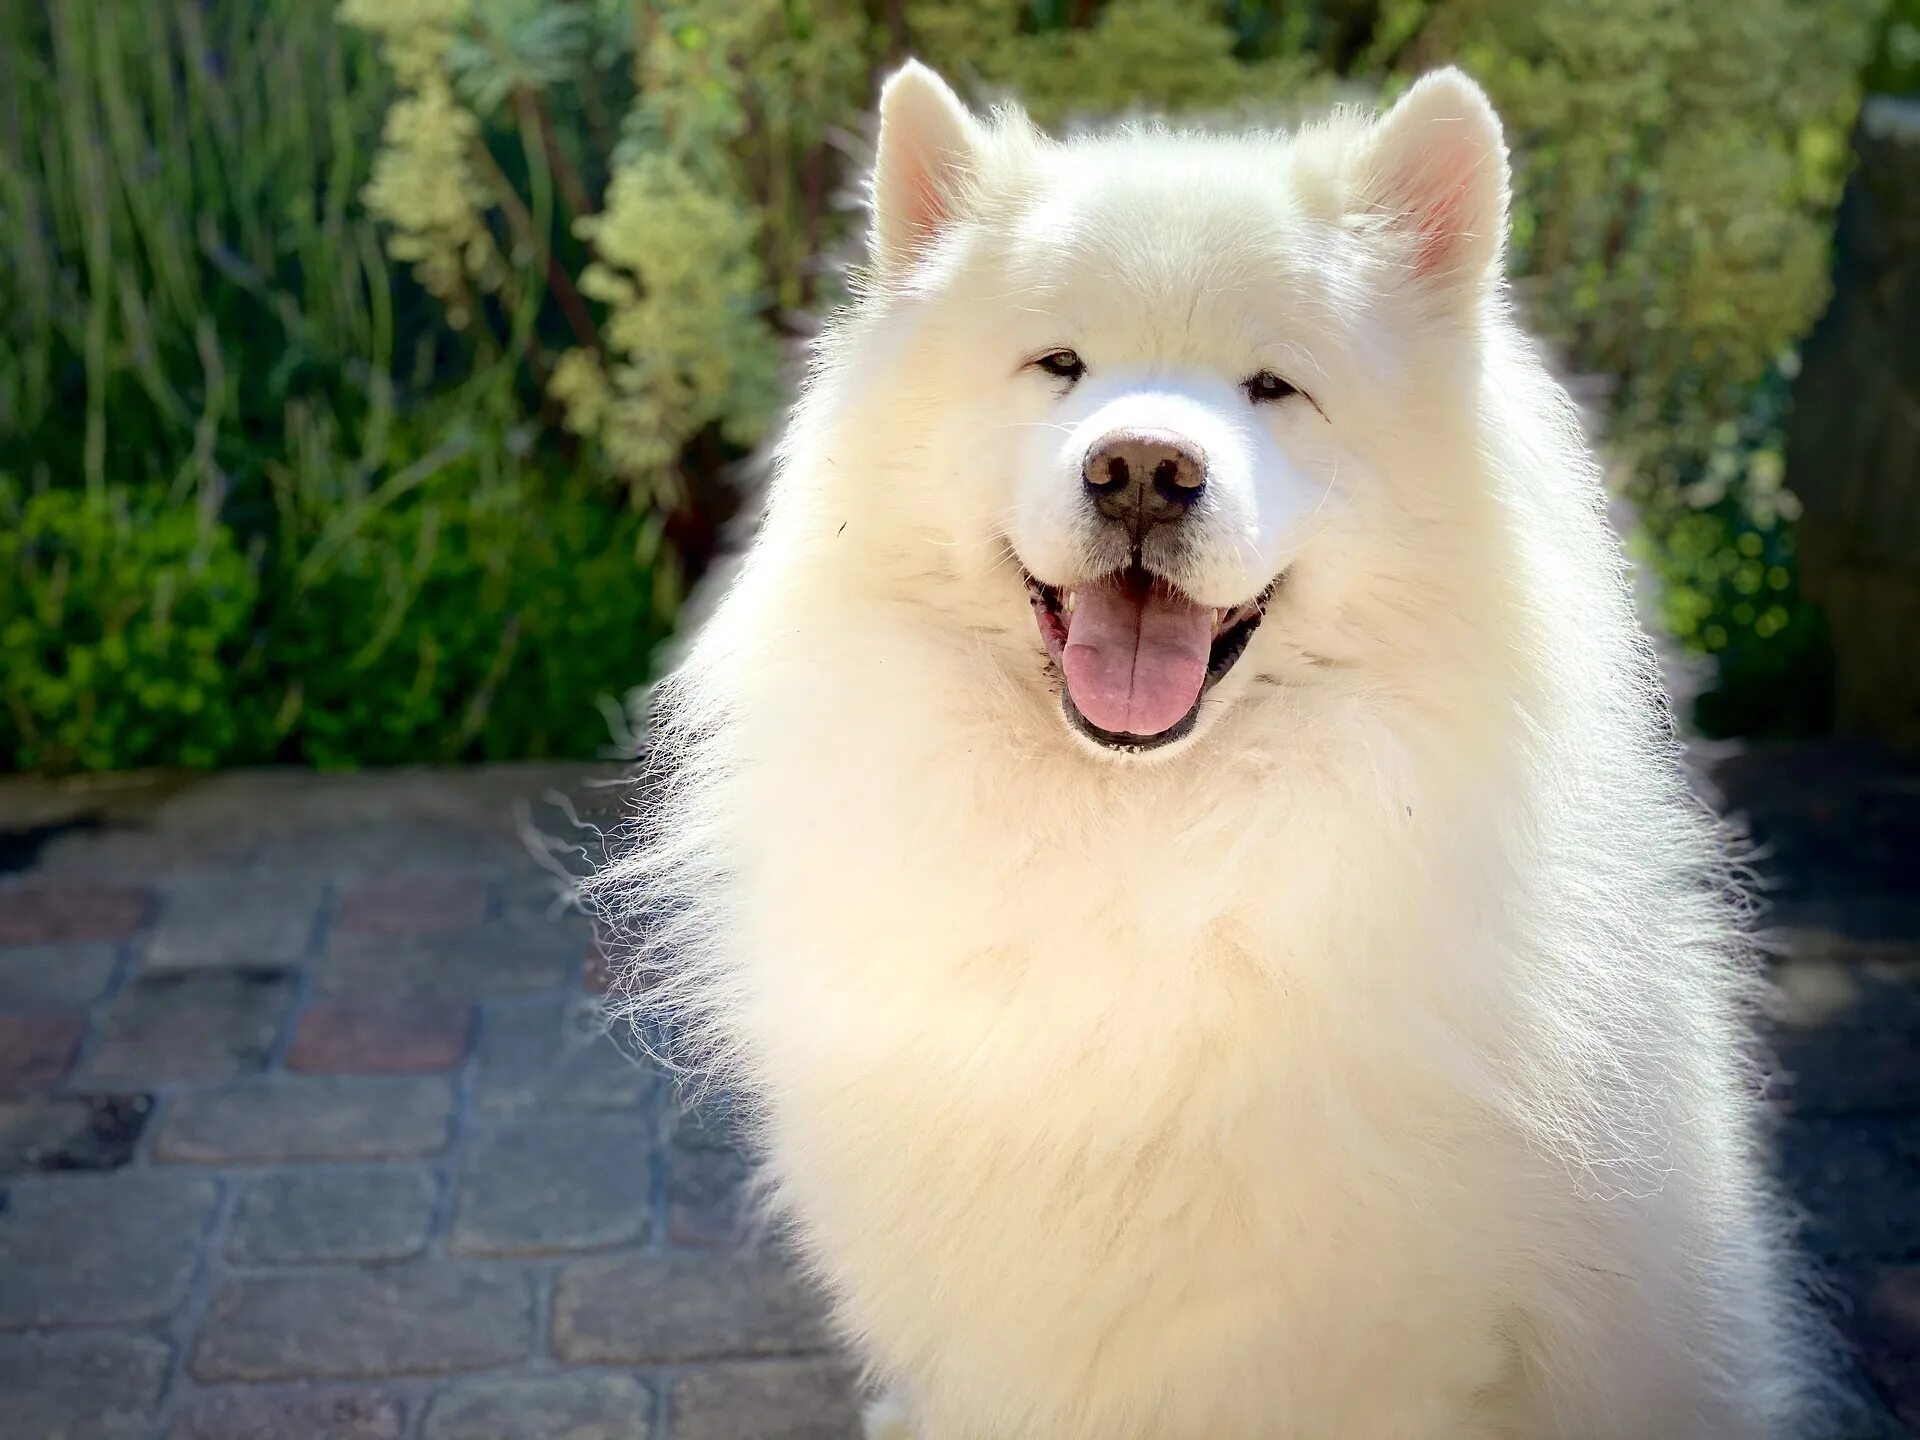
(1062, 363)
(1266, 387)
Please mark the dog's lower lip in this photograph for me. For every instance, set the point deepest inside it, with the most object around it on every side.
(1233, 629)
(1128, 743)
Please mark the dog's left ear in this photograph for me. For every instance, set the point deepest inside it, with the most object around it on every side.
(1437, 166)
(930, 148)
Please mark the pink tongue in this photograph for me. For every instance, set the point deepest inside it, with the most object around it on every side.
(1136, 656)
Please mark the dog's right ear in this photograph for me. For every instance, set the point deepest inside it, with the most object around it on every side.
(929, 149)
(1438, 170)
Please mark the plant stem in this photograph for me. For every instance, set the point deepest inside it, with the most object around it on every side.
(565, 176)
(520, 221)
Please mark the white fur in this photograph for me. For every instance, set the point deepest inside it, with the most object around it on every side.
(1369, 1064)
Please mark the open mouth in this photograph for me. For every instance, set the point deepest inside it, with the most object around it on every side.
(1136, 655)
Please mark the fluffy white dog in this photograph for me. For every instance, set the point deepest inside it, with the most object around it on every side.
(1174, 832)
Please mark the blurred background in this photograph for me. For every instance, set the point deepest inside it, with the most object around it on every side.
(374, 377)
(377, 379)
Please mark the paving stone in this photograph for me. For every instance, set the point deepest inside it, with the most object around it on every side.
(1868, 1418)
(609, 969)
(100, 1249)
(88, 1386)
(43, 913)
(708, 1179)
(544, 898)
(617, 980)
(1835, 1071)
(1845, 1029)
(541, 1183)
(413, 904)
(596, 970)
(707, 1198)
(70, 1132)
(405, 1039)
(580, 1405)
(1884, 1323)
(1825, 979)
(770, 1400)
(284, 821)
(665, 1309)
(706, 1125)
(234, 918)
(358, 1324)
(373, 846)
(208, 1026)
(495, 959)
(302, 1216)
(329, 1413)
(308, 1119)
(558, 1054)
(56, 977)
(1836, 821)
(1889, 918)
(1856, 1179)
(35, 1050)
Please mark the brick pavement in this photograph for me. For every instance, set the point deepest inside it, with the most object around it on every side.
(308, 1130)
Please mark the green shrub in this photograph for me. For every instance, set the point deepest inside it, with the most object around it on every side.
(1895, 69)
(1680, 164)
(122, 619)
(438, 325)
(205, 354)
(464, 607)
(1717, 534)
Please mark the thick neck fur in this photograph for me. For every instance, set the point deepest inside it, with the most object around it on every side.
(852, 717)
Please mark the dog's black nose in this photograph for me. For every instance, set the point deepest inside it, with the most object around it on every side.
(1143, 478)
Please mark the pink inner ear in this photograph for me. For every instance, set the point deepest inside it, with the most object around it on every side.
(1439, 223)
(929, 205)
(1437, 194)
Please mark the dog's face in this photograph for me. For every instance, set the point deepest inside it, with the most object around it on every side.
(1155, 384)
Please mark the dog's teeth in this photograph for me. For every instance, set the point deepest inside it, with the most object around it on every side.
(1069, 602)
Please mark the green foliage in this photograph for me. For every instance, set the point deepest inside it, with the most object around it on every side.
(1679, 166)
(1721, 545)
(269, 505)
(1895, 69)
(456, 606)
(480, 635)
(669, 282)
(371, 376)
(1152, 55)
(121, 618)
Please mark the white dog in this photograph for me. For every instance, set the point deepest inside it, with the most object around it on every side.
(1174, 832)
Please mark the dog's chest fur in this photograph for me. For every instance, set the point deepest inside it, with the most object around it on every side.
(1058, 1128)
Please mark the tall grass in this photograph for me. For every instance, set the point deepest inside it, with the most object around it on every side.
(178, 198)
(199, 329)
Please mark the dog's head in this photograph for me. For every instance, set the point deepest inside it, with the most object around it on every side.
(1202, 404)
